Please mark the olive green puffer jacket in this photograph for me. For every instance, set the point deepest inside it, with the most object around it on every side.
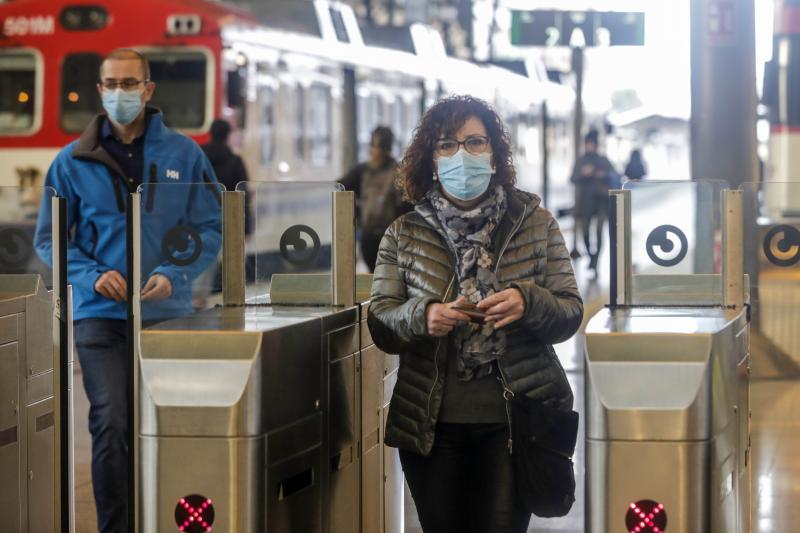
(416, 267)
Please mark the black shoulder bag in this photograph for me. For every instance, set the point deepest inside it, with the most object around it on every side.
(541, 443)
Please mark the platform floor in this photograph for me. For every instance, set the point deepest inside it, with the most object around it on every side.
(775, 401)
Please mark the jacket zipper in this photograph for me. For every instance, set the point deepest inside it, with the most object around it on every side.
(508, 240)
(436, 353)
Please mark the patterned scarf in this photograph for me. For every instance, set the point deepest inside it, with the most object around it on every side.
(469, 233)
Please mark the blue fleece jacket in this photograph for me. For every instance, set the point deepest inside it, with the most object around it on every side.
(181, 218)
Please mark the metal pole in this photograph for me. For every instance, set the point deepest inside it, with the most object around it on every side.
(343, 285)
(577, 69)
(61, 369)
(732, 248)
(134, 247)
(350, 113)
(577, 132)
(723, 120)
(619, 202)
(233, 282)
(545, 155)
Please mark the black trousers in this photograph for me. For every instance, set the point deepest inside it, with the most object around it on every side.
(369, 249)
(466, 484)
(103, 353)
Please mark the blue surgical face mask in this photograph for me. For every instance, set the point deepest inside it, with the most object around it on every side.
(122, 106)
(463, 175)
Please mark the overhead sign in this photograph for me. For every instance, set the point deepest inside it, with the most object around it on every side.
(721, 21)
(544, 27)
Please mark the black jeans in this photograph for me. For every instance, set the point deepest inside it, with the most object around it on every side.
(466, 484)
(102, 351)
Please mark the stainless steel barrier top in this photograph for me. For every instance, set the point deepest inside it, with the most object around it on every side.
(654, 374)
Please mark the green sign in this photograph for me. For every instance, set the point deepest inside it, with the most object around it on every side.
(543, 27)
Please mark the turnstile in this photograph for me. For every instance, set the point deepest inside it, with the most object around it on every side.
(26, 404)
(265, 414)
(35, 362)
(667, 369)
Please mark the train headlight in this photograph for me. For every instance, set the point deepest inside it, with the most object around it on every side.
(84, 18)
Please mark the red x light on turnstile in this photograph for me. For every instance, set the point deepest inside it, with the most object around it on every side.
(194, 514)
(646, 516)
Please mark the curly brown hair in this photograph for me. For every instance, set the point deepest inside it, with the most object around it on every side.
(445, 118)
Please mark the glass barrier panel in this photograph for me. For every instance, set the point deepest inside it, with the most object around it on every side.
(181, 248)
(292, 233)
(772, 263)
(26, 231)
(676, 242)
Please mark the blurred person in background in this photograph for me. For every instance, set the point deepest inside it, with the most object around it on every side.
(230, 170)
(378, 200)
(592, 175)
(635, 169)
(228, 166)
(473, 241)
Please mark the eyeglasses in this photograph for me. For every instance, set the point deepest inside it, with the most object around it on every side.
(475, 145)
(127, 84)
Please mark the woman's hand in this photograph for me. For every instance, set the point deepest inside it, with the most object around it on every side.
(503, 307)
(442, 318)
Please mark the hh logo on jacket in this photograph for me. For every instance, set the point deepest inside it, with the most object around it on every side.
(173, 174)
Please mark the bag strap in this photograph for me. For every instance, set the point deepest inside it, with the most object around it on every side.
(508, 394)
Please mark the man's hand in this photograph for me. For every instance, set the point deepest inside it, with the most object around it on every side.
(112, 285)
(158, 287)
(442, 318)
(503, 307)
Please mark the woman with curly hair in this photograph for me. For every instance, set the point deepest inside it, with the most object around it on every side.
(471, 289)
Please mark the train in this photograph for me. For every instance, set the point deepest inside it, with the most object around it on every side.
(780, 96)
(300, 81)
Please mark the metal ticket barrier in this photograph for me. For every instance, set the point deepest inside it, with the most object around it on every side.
(772, 259)
(35, 364)
(260, 396)
(667, 366)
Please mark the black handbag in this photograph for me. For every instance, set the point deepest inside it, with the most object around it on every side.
(541, 444)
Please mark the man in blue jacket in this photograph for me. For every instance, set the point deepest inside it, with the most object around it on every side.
(124, 148)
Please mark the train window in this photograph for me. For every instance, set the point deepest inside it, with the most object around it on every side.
(181, 91)
(338, 25)
(320, 116)
(80, 101)
(300, 122)
(17, 92)
(370, 115)
(266, 95)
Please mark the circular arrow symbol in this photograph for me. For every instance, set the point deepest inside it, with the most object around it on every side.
(295, 245)
(671, 244)
(782, 245)
(15, 249)
(178, 241)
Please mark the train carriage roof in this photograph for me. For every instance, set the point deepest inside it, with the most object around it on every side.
(99, 15)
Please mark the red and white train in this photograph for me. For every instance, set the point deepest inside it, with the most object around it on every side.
(299, 82)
